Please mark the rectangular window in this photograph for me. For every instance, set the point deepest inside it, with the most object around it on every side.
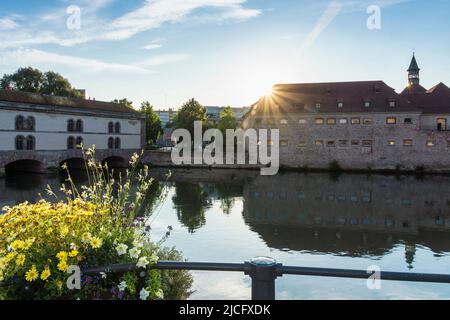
(284, 122)
(356, 120)
(431, 143)
(391, 143)
(343, 143)
(318, 105)
(392, 103)
(301, 144)
(343, 121)
(408, 121)
(367, 104)
(391, 120)
(367, 143)
(367, 121)
(340, 104)
(448, 143)
(331, 143)
(318, 142)
(284, 143)
(331, 121)
(302, 121)
(407, 142)
(320, 121)
(355, 142)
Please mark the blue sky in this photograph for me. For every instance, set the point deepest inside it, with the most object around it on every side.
(223, 52)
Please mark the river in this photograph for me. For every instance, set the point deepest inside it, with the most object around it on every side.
(398, 223)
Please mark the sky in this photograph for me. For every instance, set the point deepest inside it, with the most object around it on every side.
(223, 52)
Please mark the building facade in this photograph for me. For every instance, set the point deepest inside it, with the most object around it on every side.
(359, 125)
(33, 125)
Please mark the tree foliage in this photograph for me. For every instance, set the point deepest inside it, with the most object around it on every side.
(152, 122)
(33, 80)
(227, 120)
(190, 112)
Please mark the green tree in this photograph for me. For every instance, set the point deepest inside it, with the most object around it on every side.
(227, 120)
(55, 84)
(191, 111)
(33, 80)
(24, 79)
(153, 124)
(124, 102)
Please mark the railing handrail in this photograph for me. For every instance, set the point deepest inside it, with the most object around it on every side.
(264, 274)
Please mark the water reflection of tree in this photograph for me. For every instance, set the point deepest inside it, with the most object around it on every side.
(227, 194)
(153, 197)
(191, 202)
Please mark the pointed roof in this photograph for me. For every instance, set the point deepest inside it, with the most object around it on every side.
(440, 88)
(413, 66)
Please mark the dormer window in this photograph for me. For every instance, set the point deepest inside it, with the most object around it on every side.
(392, 103)
(340, 103)
(318, 105)
(367, 103)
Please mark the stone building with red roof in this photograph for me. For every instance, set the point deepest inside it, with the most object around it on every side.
(359, 125)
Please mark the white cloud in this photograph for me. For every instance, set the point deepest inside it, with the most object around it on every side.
(8, 23)
(154, 13)
(163, 59)
(152, 46)
(36, 57)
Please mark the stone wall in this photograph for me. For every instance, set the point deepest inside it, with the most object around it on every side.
(53, 159)
(377, 146)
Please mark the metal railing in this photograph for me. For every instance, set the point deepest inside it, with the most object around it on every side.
(264, 271)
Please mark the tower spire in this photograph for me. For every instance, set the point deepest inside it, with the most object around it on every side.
(413, 71)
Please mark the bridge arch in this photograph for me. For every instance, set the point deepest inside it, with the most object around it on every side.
(24, 166)
(116, 162)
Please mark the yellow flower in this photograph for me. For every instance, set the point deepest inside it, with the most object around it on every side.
(31, 274)
(62, 255)
(73, 253)
(20, 260)
(62, 266)
(96, 242)
(64, 231)
(9, 257)
(17, 244)
(45, 274)
(28, 243)
(49, 231)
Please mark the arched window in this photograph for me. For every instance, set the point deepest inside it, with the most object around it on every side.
(70, 125)
(111, 143)
(71, 143)
(31, 143)
(117, 143)
(19, 123)
(79, 126)
(111, 127)
(79, 142)
(117, 127)
(20, 140)
(30, 124)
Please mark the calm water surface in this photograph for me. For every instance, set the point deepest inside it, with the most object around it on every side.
(316, 220)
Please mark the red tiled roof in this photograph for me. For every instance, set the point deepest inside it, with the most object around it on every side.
(55, 101)
(435, 100)
(304, 98)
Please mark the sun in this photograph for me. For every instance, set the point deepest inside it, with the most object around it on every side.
(268, 92)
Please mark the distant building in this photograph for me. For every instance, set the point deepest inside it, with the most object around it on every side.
(213, 113)
(361, 125)
(166, 116)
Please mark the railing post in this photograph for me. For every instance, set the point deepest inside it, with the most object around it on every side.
(263, 271)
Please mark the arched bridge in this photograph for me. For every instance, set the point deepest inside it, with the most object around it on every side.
(44, 161)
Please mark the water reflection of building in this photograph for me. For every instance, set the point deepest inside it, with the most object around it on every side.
(354, 214)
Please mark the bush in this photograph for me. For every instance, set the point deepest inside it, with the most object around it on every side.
(95, 226)
(335, 166)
